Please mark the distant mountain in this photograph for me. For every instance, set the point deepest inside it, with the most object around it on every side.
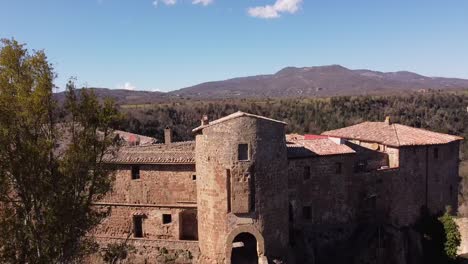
(122, 96)
(319, 81)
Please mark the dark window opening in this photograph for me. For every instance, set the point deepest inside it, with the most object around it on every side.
(135, 172)
(252, 192)
(228, 187)
(361, 166)
(167, 218)
(243, 152)
(436, 153)
(307, 212)
(194, 177)
(306, 173)
(138, 226)
(338, 168)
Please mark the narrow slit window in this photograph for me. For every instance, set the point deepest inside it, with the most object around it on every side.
(306, 173)
(166, 218)
(338, 167)
(307, 212)
(135, 172)
(243, 152)
(138, 226)
(194, 177)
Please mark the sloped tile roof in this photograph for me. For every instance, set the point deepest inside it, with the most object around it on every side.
(235, 115)
(395, 135)
(174, 153)
(299, 147)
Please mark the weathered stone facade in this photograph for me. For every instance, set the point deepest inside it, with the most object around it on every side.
(245, 193)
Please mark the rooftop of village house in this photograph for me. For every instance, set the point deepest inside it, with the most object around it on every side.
(395, 135)
(144, 150)
(314, 145)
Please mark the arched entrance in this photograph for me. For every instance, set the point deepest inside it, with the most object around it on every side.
(251, 240)
(244, 249)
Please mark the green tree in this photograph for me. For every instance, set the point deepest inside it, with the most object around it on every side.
(51, 169)
(452, 235)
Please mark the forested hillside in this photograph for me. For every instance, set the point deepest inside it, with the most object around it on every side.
(443, 112)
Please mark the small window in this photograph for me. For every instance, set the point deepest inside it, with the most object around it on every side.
(194, 177)
(338, 168)
(135, 172)
(360, 166)
(138, 226)
(436, 153)
(307, 212)
(306, 173)
(243, 152)
(166, 218)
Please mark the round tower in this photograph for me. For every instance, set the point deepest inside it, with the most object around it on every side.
(242, 185)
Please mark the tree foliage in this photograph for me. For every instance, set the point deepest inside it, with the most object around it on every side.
(51, 169)
(444, 112)
(452, 235)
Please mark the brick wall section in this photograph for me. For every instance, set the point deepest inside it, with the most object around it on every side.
(216, 159)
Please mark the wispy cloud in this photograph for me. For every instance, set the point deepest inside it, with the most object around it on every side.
(127, 86)
(166, 2)
(202, 2)
(275, 10)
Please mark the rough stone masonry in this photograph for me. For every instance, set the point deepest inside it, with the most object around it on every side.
(244, 192)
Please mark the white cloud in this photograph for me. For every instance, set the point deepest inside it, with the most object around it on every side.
(127, 86)
(202, 2)
(166, 2)
(275, 10)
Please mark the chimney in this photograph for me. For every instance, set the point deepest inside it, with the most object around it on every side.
(167, 135)
(387, 120)
(204, 120)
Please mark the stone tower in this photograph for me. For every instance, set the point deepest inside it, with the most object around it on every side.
(242, 198)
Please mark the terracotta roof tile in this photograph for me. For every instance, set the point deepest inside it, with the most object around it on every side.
(174, 153)
(298, 147)
(395, 135)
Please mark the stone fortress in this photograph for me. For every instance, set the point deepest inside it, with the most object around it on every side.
(245, 192)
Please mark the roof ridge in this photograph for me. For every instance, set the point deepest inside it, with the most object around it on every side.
(396, 134)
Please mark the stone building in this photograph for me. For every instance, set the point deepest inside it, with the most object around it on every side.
(244, 192)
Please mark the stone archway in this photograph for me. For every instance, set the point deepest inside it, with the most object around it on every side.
(244, 249)
(244, 244)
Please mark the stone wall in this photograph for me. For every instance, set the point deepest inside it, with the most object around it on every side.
(150, 251)
(119, 223)
(158, 184)
(325, 190)
(256, 188)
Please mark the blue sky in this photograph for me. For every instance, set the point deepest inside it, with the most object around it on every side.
(139, 44)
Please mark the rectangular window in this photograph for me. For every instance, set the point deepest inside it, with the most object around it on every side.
(138, 226)
(194, 177)
(338, 168)
(135, 172)
(166, 218)
(306, 173)
(307, 212)
(243, 152)
(436, 153)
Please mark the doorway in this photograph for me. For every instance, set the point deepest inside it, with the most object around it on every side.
(244, 249)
